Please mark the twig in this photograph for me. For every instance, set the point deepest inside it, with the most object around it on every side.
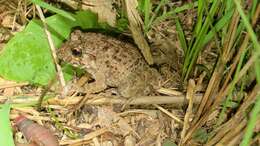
(176, 101)
(169, 91)
(85, 138)
(44, 92)
(53, 50)
(190, 94)
(10, 85)
(168, 113)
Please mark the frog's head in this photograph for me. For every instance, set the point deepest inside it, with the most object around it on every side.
(71, 50)
(75, 51)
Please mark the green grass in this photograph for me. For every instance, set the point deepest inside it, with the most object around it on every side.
(212, 24)
(251, 123)
(6, 135)
(196, 44)
(256, 109)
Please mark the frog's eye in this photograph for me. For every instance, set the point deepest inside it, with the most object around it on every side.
(76, 52)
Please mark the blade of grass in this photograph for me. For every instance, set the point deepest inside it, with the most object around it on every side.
(223, 92)
(178, 10)
(251, 123)
(253, 8)
(229, 97)
(175, 11)
(147, 10)
(191, 57)
(181, 35)
(219, 25)
(248, 26)
(6, 135)
(257, 70)
(228, 7)
(156, 11)
(252, 36)
(200, 16)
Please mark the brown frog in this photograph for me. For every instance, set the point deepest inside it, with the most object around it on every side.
(111, 62)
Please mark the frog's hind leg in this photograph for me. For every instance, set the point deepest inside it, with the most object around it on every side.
(133, 86)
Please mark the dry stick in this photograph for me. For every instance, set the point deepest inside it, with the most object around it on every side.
(222, 94)
(200, 80)
(168, 113)
(169, 91)
(176, 101)
(10, 85)
(53, 50)
(44, 92)
(86, 137)
(15, 15)
(190, 94)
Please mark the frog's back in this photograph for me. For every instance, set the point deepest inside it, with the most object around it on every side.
(115, 58)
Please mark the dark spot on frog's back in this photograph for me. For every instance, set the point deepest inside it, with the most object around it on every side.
(107, 63)
(124, 62)
(124, 55)
(118, 59)
(105, 48)
(130, 53)
(116, 50)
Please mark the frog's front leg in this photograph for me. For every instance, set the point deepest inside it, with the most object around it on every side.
(98, 85)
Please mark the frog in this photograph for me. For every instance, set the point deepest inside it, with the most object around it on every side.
(112, 62)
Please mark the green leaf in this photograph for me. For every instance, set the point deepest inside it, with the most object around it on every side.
(27, 56)
(219, 25)
(70, 71)
(53, 9)
(122, 24)
(87, 20)
(201, 135)
(6, 135)
(249, 28)
(192, 54)
(181, 35)
(141, 6)
(147, 11)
